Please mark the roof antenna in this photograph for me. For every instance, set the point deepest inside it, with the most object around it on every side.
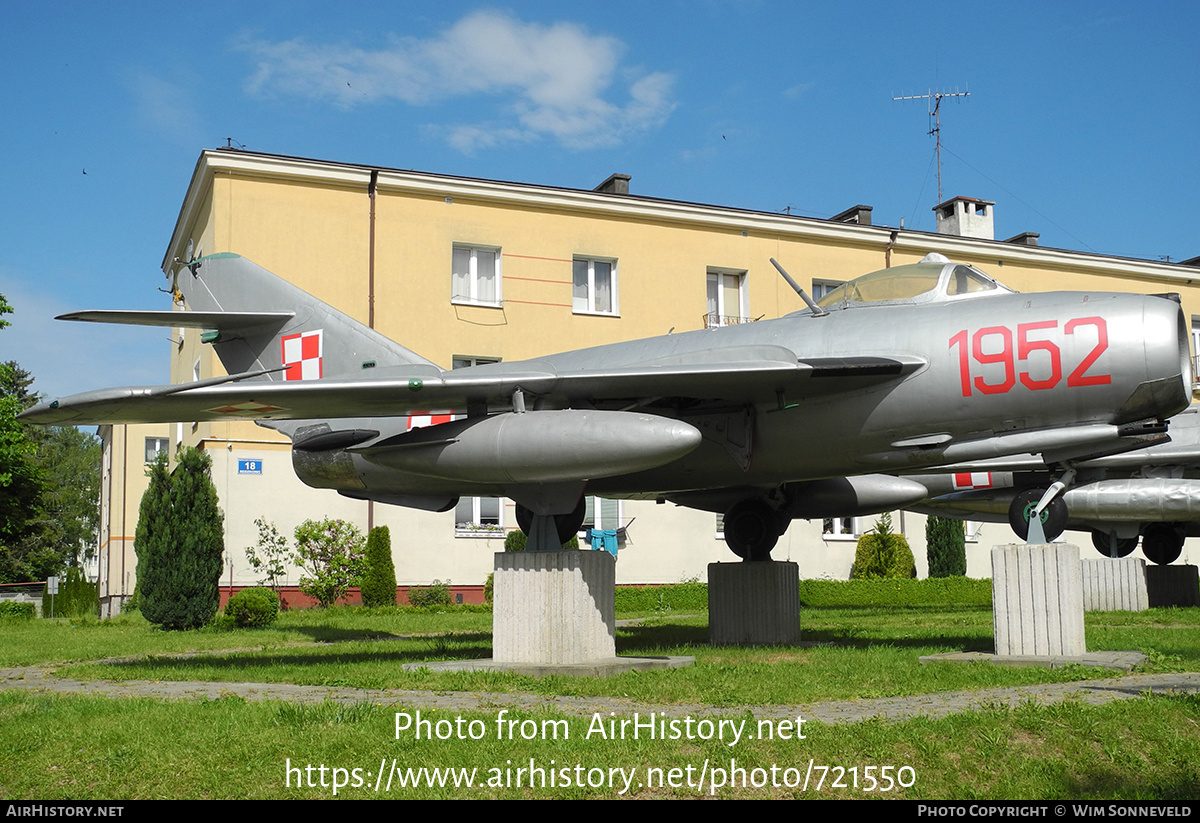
(816, 310)
(935, 108)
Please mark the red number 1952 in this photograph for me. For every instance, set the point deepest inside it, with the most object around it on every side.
(1043, 355)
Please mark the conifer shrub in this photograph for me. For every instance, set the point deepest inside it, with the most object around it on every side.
(179, 542)
(379, 582)
(76, 597)
(489, 588)
(946, 547)
(253, 608)
(881, 553)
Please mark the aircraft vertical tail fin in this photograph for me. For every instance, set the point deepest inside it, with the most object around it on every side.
(299, 337)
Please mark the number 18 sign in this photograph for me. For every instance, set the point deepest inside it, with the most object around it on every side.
(250, 466)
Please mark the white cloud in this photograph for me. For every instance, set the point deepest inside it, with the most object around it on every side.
(798, 90)
(551, 81)
(165, 108)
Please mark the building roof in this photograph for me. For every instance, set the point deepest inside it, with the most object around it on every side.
(656, 209)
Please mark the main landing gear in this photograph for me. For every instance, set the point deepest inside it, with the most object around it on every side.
(1053, 519)
(752, 529)
(1162, 543)
(566, 525)
(1110, 545)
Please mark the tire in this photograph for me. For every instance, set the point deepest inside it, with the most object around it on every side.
(1054, 517)
(1162, 543)
(752, 530)
(567, 525)
(1125, 545)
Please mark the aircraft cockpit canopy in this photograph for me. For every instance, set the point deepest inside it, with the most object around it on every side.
(934, 280)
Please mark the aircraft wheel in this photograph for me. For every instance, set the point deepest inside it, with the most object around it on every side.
(1162, 543)
(567, 525)
(1125, 545)
(751, 530)
(524, 519)
(1054, 517)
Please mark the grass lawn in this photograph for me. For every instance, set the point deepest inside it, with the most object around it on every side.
(86, 747)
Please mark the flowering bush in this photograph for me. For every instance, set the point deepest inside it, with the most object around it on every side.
(330, 554)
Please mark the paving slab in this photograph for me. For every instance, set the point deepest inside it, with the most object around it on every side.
(41, 680)
(606, 667)
(1119, 661)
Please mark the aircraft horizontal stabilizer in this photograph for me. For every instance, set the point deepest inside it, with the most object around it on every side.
(231, 321)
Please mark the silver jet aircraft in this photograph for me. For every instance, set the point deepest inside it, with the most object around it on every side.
(1152, 493)
(808, 415)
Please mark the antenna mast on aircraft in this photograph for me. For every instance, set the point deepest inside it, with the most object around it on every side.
(935, 105)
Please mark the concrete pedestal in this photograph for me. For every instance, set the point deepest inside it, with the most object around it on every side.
(554, 608)
(1037, 600)
(1172, 586)
(1115, 584)
(754, 604)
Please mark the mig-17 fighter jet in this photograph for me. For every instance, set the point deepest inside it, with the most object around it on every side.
(809, 415)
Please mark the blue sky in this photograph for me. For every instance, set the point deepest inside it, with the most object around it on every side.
(1082, 123)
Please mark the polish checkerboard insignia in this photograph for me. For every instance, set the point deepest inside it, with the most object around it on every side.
(972, 480)
(302, 354)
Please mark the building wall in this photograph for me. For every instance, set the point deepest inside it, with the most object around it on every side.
(123, 480)
(311, 222)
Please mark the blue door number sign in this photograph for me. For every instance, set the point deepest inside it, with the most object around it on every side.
(250, 467)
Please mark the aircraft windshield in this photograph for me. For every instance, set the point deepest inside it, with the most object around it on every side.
(886, 285)
(904, 283)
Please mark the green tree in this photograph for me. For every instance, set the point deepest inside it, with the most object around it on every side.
(21, 484)
(179, 542)
(330, 552)
(379, 581)
(70, 501)
(946, 547)
(22, 479)
(268, 558)
(882, 553)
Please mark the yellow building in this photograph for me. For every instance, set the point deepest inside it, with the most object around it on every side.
(465, 270)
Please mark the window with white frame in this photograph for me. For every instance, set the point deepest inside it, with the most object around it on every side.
(971, 529)
(1195, 347)
(602, 513)
(727, 303)
(593, 286)
(477, 516)
(475, 275)
(154, 447)
(840, 528)
(820, 288)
